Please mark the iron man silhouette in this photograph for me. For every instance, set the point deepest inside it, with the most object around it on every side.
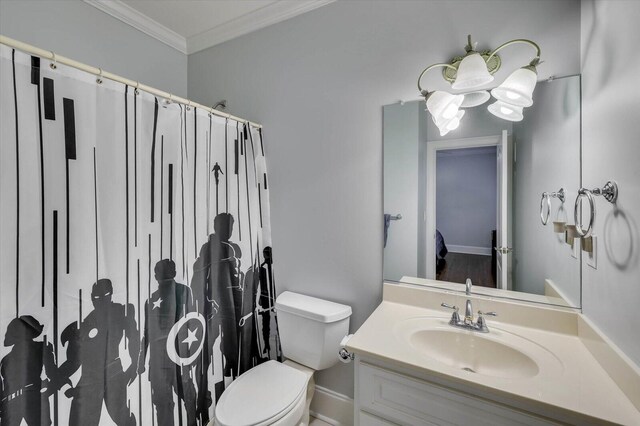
(94, 346)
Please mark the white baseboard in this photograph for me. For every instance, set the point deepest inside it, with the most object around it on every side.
(332, 407)
(483, 251)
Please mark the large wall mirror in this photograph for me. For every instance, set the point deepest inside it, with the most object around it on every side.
(471, 205)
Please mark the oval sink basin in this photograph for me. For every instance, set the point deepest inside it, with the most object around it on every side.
(499, 353)
(474, 353)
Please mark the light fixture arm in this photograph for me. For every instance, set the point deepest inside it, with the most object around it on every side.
(535, 60)
(430, 67)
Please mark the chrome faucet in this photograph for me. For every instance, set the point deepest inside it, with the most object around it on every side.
(468, 324)
(468, 311)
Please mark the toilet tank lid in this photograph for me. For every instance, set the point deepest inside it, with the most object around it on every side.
(311, 307)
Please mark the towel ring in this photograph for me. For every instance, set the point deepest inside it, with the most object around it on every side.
(609, 192)
(544, 217)
(559, 194)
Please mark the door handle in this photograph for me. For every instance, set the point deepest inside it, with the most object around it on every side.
(503, 250)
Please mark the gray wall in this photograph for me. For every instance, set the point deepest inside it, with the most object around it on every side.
(611, 150)
(401, 144)
(547, 145)
(79, 31)
(466, 196)
(318, 82)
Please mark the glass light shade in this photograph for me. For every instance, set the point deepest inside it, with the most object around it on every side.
(472, 72)
(517, 89)
(443, 105)
(473, 99)
(506, 111)
(445, 126)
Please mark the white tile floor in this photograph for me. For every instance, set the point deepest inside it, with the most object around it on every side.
(316, 422)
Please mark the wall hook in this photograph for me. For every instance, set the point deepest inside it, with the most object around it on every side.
(53, 65)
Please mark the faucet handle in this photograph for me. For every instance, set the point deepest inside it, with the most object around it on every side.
(448, 306)
(481, 324)
(455, 317)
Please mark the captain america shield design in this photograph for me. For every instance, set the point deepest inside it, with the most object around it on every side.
(186, 338)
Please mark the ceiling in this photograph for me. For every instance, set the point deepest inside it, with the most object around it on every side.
(193, 25)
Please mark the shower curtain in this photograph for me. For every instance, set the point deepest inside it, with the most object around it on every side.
(136, 276)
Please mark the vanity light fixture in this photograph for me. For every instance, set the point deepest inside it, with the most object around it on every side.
(506, 111)
(473, 71)
(473, 99)
(445, 126)
(444, 108)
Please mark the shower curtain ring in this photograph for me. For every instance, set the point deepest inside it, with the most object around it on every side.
(137, 92)
(168, 101)
(189, 106)
(53, 64)
(99, 79)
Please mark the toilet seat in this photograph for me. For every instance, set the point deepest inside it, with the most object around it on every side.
(262, 396)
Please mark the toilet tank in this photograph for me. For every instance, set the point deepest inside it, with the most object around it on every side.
(311, 329)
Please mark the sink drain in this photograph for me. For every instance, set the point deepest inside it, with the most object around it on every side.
(470, 370)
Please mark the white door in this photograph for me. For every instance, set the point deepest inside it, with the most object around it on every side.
(503, 236)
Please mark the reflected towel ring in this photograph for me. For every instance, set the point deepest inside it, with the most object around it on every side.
(544, 217)
(559, 194)
(609, 192)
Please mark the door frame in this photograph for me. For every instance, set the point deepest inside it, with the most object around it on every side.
(430, 211)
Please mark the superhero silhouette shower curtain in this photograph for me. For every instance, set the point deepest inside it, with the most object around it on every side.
(136, 268)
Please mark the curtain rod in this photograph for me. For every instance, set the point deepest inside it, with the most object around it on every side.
(105, 74)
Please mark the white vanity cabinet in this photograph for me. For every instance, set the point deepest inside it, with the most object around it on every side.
(386, 397)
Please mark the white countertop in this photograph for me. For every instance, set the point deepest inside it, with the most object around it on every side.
(581, 388)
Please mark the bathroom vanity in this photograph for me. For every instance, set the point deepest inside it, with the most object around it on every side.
(535, 365)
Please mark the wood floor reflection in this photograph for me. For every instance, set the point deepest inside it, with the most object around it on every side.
(460, 266)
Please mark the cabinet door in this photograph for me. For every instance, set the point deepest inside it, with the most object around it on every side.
(412, 402)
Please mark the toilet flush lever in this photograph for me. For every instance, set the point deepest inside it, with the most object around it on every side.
(343, 354)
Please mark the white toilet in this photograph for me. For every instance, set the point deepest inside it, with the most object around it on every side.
(279, 394)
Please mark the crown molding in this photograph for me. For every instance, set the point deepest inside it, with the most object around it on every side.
(252, 21)
(141, 22)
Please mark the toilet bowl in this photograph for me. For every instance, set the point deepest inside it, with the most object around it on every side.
(280, 394)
